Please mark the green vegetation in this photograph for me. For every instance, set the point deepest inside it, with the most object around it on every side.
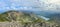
(24, 18)
(19, 16)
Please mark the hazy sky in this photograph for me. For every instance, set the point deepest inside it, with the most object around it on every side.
(35, 5)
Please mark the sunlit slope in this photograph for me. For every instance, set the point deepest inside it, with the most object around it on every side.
(19, 16)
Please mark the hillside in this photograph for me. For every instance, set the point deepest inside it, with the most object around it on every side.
(18, 16)
(25, 18)
(55, 17)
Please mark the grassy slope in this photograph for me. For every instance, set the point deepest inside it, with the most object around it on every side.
(24, 17)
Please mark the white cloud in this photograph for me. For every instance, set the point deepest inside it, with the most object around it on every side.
(40, 5)
(50, 5)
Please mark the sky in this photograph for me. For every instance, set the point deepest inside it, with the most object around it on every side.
(35, 5)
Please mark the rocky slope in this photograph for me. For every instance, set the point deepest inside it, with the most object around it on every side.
(27, 19)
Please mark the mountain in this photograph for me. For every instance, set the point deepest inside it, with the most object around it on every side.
(14, 15)
(24, 17)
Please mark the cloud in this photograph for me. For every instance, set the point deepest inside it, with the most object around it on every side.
(50, 5)
(40, 5)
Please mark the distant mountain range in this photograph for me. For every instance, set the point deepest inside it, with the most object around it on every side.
(41, 13)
